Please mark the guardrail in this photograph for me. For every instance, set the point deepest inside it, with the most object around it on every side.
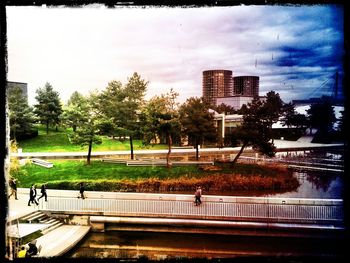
(258, 209)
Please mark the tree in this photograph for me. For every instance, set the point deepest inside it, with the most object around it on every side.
(255, 130)
(75, 110)
(224, 108)
(86, 133)
(291, 118)
(120, 105)
(271, 109)
(21, 115)
(321, 115)
(49, 108)
(197, 122)
(288, 115)
(160, 117)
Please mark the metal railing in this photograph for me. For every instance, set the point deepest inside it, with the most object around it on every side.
(259, 209)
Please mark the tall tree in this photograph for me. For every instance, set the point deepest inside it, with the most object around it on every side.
(21, 115)
(49, 108)
(75, 110)
(87, 133)
(120, 106)
(272, 109)
(160, 117)
(321, 115)
(255, 130)
(197, 122)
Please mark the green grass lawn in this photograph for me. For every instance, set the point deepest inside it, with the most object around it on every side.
(78, 171)
(57, 141)
(101, 176)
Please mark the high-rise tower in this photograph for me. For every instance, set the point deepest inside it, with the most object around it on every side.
(246, 86)
(217, 84)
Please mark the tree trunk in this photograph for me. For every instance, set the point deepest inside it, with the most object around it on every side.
(74, 128)
(170, 143)
(131, 148)
(240, 152)
(197, 151)
(47, 126)
(89, 152)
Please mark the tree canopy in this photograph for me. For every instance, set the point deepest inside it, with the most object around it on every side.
(49, 108)
(21, 115)
(75, 110)
(197, 122)
(255, 130)
(160, 120)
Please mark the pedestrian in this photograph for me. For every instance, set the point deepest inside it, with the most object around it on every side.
(43, 192)
(81, 190)
(32, 194)
(33, 249)
(13, 186)
(198, 195)
(22, 253)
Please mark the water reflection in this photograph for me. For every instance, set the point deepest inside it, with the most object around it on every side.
(316, 185)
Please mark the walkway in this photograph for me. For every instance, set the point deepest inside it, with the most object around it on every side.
(327, 212)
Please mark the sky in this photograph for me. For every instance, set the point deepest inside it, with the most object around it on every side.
(295, 50)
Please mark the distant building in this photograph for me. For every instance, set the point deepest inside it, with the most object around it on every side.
(217, 84)
(220, 87)
(246, 86)
(22, 85)
(235, 102)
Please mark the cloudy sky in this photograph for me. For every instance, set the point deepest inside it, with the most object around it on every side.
(293, 49)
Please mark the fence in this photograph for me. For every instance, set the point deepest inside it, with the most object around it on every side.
(258, 209)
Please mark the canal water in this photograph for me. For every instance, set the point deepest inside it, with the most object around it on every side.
(158, 246)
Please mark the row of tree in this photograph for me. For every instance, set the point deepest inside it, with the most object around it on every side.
(121, 111)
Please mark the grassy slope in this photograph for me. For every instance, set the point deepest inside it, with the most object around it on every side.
(59, 142)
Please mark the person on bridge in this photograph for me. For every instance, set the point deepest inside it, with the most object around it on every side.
(43, 192)
(32, 195)
(13, 186)
(198, 195)
(81, 190)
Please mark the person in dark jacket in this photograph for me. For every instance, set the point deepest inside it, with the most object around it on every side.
(43, 192)
(32, 195)
(13, 186)
(33, 250)
(81, 190)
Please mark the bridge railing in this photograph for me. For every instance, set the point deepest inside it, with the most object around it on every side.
(261, 209)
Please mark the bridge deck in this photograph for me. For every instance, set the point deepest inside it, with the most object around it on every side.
(229, 208)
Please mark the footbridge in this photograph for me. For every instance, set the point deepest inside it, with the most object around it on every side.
(118, 211)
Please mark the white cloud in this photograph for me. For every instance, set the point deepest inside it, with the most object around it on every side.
(85, 48)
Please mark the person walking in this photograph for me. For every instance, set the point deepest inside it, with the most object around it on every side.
(43, 192)
(13, 186)
(32, 195)
(81, 190)
(198, 195)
